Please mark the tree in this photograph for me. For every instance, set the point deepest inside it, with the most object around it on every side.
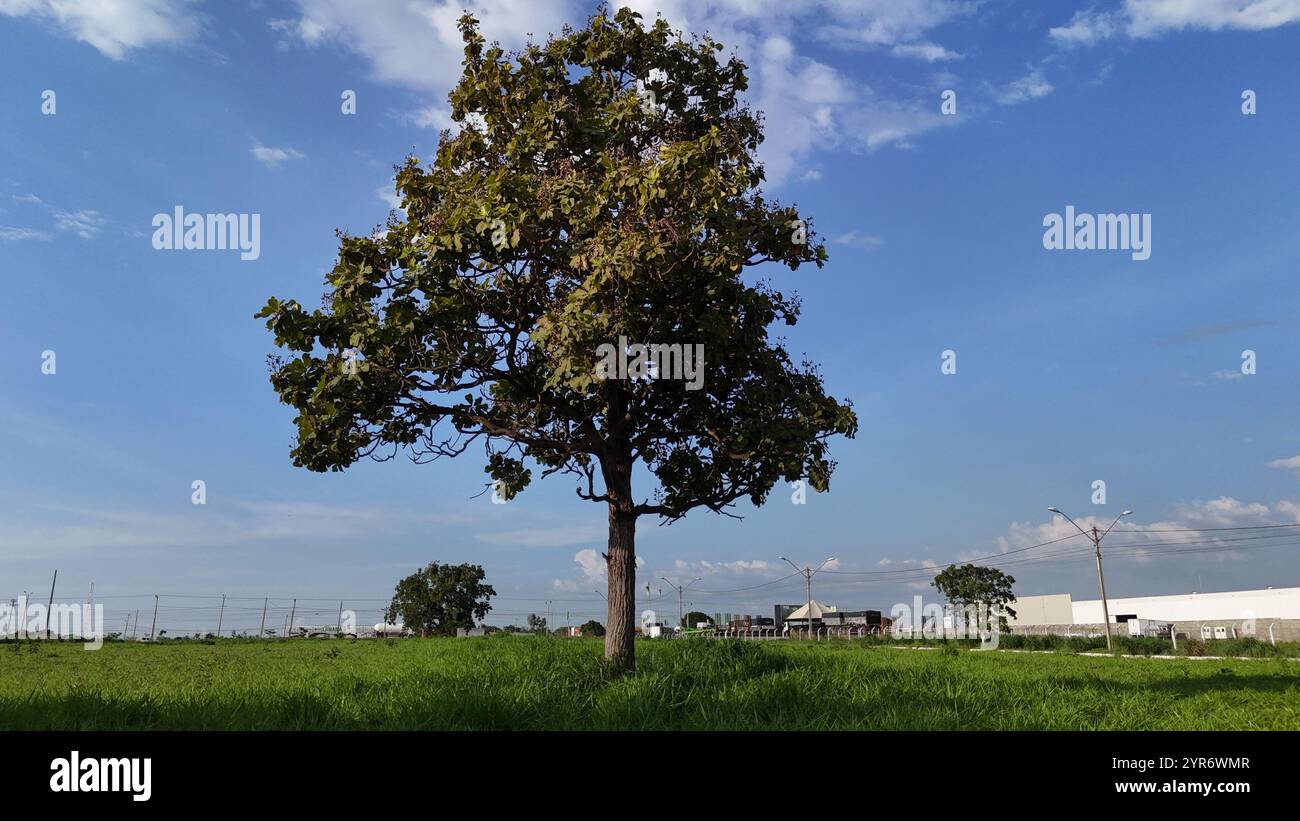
(440, 598)
(536, 623)
(592, 628)
(977, 586)
(695, 617)
(599, 203)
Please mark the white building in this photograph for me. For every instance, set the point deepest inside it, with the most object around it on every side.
(1270, 603)
(1237, 605)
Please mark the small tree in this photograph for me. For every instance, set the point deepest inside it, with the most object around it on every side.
(971, 585)
(695, 617)
(440, 598)
(600, 204)
(536, 624)
(593, 628)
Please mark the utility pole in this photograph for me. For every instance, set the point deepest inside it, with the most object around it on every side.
(155, 617)
(49, 609)
(681, 617)
(1101, 581)
(222, 616)
(136, 624)
(340, 627)
(1095, 536)
(807, 573)
(292, 613)
(261, 631)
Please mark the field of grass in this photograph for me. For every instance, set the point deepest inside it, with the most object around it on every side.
(545, 683)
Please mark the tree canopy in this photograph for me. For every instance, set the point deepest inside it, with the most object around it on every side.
(695, 617)
(971, 585)
(439, 598)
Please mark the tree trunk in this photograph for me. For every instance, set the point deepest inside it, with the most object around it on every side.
(620, 555)
(620, 646)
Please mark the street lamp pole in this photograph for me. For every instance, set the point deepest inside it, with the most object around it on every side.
(680, 590)
(1095, 537)
(807, 573)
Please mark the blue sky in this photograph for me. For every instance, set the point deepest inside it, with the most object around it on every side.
(1072, 366)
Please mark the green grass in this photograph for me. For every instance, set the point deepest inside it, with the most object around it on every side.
(543, 683)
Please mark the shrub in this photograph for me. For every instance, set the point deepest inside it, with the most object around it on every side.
(1250, 647)
(1142, 645)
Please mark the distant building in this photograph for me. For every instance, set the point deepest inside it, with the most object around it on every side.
(852, 618)
(783, 610)
(1230, 614)
(814, 613)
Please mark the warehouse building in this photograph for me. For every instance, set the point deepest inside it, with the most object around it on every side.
(1232, 614)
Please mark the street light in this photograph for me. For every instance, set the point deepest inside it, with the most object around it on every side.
(807, 573)
(680, 590)
(1101, 578)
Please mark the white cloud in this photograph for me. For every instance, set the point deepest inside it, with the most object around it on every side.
(591, 563)
(1029, 87)
(85, 223)
(810, 105)
(1152, 18)
(114, 28)
(1293, 463)
(1148, 18)
(1223, 512)
(858, 239)
(740, 566)
(10, 233)
(890, 22)
(802, 97)
(929, 52)
(544, 536)
(272, 157)
(439, 118)
(71, 530)
(388, 194)
(435, 116)
(1227, 376)
(415, 44)
(1086, 28)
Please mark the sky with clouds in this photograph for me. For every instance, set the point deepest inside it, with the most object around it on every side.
(1072, 366)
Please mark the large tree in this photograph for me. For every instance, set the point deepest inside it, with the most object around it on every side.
(696, 617)
(601, 192)
(976, 586)
(439, 598)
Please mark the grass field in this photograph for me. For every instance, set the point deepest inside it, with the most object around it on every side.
(543, 683)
